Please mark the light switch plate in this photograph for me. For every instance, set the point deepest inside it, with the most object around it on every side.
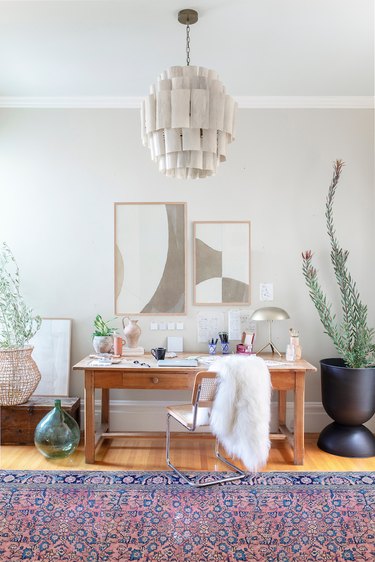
(171, 325)
(162, 326)
(154, 326)
(266, 291)
(179, 326)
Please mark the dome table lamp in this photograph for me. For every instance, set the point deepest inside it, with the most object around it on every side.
(270, 313)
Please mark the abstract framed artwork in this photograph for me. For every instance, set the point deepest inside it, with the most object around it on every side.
(150, 258)
(222, 263)
(52, 355)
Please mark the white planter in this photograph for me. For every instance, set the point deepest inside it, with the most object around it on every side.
(102, 344)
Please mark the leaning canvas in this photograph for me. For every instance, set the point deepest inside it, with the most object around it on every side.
(52, 355)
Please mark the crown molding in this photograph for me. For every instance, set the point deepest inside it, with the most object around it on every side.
(71, 102)
(244, 102)
(306, 102)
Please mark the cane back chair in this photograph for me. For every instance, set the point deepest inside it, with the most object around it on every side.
(194, 415)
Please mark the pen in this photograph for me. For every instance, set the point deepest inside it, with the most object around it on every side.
(223, 337)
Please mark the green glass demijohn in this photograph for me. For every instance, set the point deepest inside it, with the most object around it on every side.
(57, 435)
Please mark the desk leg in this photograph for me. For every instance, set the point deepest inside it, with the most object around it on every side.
(89, 418)
(105, 406)
(282, 407)
(299, 419)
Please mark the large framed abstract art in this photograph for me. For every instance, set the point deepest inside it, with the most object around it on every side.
(150, 258)
(222, 263)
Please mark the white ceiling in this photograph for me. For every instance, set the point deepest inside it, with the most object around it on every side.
(117, 48)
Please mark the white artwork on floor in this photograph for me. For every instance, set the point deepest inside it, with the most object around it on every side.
(52, 355)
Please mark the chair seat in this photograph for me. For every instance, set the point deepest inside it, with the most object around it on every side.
(183, 413)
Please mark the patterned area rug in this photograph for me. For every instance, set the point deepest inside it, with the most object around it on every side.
(122, 516)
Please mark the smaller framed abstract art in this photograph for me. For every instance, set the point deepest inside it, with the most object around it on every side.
(150, 258)
(222, 263)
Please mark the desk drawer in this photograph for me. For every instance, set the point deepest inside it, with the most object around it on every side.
(283, 380)
(161, 381)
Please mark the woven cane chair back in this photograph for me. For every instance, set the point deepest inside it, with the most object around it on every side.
(206, 381)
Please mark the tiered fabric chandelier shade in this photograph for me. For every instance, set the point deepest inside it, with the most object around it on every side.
(188, 121)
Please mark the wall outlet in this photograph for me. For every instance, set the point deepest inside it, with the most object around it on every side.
(266, 291)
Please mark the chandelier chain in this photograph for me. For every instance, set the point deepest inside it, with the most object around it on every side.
(187, 45)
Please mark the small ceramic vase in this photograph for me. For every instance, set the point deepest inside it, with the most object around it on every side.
(57, 435)
(132, 332)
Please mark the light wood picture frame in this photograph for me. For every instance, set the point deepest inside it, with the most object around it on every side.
(150, 258)
(221, 263)
(52, 349)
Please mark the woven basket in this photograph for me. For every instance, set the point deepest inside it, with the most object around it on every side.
(19, 376)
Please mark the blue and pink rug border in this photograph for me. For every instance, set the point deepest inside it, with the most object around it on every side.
(120, 478)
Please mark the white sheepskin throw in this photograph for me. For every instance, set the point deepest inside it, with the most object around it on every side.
(240, 416)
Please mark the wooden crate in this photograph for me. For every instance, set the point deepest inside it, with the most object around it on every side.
(18, 423)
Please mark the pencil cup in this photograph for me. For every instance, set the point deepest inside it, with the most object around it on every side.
(212, 348)
(224, 348)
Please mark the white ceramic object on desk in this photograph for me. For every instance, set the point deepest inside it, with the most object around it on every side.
(132, 332)
(102, 344)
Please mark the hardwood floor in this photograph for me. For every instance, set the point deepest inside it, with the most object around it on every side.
(188, 452)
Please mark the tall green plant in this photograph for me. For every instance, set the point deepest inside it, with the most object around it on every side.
(351, 335)
(17, 323)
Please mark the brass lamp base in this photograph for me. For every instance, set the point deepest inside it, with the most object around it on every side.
(273, 347)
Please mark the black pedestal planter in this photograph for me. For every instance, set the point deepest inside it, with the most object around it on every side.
(348, 397)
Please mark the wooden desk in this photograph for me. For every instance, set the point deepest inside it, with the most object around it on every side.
(284, 376)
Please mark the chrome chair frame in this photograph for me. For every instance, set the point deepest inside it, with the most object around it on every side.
(201, 397)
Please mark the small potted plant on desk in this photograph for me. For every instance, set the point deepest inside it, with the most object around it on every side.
(19, 374)
(102, 336)
(348, 382)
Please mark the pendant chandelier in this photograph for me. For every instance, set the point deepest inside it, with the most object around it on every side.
(188, 119)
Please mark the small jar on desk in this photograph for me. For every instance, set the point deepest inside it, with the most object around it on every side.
(295, 346)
